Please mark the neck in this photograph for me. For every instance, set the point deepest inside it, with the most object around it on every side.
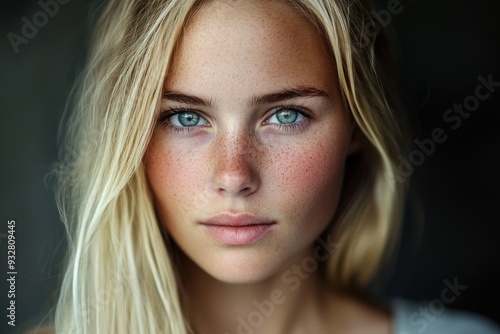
(283, 303)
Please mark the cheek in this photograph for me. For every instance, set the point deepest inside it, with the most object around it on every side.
(173, 177)
(310, 180)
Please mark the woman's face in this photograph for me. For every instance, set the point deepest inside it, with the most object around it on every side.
(246, 162)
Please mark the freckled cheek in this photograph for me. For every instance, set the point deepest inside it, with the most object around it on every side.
(309, 180)
(175, 177)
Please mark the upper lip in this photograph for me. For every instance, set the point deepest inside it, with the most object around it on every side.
(237, 219)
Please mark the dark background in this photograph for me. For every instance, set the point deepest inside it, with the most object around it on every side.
(443, 47)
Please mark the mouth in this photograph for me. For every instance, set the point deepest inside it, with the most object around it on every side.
(237, 229)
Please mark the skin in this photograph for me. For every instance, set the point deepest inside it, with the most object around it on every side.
(240, 159)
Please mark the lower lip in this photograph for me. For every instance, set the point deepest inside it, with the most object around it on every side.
(238, 235)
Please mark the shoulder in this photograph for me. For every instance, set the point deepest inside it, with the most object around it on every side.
(416, 318)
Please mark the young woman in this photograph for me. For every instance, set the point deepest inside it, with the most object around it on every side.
(231, 167)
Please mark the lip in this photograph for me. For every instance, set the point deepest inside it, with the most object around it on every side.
(237, 229)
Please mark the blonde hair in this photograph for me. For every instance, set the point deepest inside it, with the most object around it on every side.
(120, 275)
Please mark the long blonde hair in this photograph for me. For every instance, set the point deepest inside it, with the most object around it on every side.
(120, 275)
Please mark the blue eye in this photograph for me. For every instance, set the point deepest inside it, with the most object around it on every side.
(187, 119)
(286, 116)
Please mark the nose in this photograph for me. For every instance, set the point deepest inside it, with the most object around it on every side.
(235, 166)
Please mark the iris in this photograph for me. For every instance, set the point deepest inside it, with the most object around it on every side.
(287, 116)
(188, 118)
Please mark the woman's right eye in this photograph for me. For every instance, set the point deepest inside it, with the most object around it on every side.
(187, 119)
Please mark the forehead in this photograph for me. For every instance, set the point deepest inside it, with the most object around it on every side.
(248, 42)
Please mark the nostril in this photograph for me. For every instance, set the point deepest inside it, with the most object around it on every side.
(231, 190)
(246, 189)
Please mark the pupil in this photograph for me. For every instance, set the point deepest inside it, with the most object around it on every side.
(188, 119)
(287, 117)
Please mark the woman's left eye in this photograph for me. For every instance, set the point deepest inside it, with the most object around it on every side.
(286, 116)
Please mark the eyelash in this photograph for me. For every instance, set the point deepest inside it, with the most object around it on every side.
(163, 118)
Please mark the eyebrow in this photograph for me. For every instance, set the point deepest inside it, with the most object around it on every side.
(282, 95)
(287, 94)
(185, 98)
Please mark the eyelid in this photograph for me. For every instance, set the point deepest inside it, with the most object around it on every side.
(167, 113)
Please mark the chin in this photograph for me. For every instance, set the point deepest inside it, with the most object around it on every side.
(240, 268)
(240, 277)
